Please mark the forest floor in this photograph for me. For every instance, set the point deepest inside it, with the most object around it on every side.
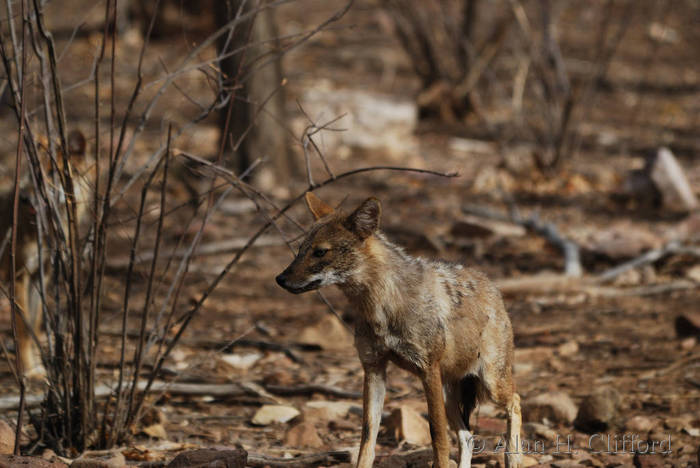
(627, 337)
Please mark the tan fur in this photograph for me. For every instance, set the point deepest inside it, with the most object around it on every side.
(443, 322)
(27, 255)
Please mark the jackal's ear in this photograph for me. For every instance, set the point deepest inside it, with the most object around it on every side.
(317, 207)
(365, 219)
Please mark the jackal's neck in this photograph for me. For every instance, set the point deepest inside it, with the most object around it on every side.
(385, 277)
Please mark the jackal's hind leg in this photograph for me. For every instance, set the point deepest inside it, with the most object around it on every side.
(513, 455)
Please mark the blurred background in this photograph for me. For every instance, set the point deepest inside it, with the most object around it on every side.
(574, 130)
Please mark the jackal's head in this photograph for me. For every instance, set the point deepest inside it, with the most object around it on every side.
(331, 252)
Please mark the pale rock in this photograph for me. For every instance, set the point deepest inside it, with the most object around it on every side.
(527, 461)
(669, 178)
(327, 410)
(689, 343)
(100, 459)
(7, 439)
(408, 425)
(241, 361)
(641, 424)
(328, 333)
(568, 349)
(598, 410)
(537, 431)
(693, 273)
(303, 434)
(555, 406)
(271, 414)
(157, 431)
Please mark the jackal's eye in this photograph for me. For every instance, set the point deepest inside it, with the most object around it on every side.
(318, 253)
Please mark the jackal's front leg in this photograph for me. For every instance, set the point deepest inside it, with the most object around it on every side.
(372, 403)
(432, 383)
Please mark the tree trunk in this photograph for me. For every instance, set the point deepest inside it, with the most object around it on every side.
(257, 132)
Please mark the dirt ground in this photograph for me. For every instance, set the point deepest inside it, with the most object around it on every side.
(625, 336)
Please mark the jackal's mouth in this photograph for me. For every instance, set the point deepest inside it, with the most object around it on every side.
(307, 287)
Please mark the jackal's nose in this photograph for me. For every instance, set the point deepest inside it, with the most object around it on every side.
(281, 280)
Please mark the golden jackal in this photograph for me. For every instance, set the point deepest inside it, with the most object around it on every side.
(444, 323)
(27, 294)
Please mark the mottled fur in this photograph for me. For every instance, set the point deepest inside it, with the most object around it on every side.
(443, 322)
(27, 255)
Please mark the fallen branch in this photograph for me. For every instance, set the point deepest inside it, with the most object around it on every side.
(572, 257)
(186, 389)
(308, 389)
(651, 256)
(548, 284)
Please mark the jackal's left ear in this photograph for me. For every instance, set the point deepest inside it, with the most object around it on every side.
(365, 219)
(317, 207)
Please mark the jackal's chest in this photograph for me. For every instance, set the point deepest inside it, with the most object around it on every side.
(407, 338)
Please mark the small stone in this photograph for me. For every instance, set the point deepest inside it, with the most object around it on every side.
(270, 414)
(568, 349)
(408, 425)
(598, 410)
(693, 273)
(641, 424)
(100, 459)
(328, 333)
(537, 431)
(241, 361)
(689, 343)
(555, 406)
(669, 178)
(157, 431)
(303, 434)
(209, 458)
(327, 410)
(7, 439)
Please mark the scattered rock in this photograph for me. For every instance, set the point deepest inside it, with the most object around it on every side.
(271, 414)
(689, 343)
(537, 431)
(641, 424)
(408, 425)
(327, 410)
(669, 178)
(100, 459)
(241, 361)
(688, 324)
(7, 438)
(693, 273)
(303, 434)
(648, 461)
(211, 458)
(527, 461)
(568, 349)
(622, 240)
(555, 406)
(328, 333)
(12, 461)
(598, 410)
(156, 431)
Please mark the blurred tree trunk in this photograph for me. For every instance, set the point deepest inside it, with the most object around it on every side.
(261, 129)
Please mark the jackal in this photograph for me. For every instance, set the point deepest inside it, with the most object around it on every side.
(443, 322)
(27, 295)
